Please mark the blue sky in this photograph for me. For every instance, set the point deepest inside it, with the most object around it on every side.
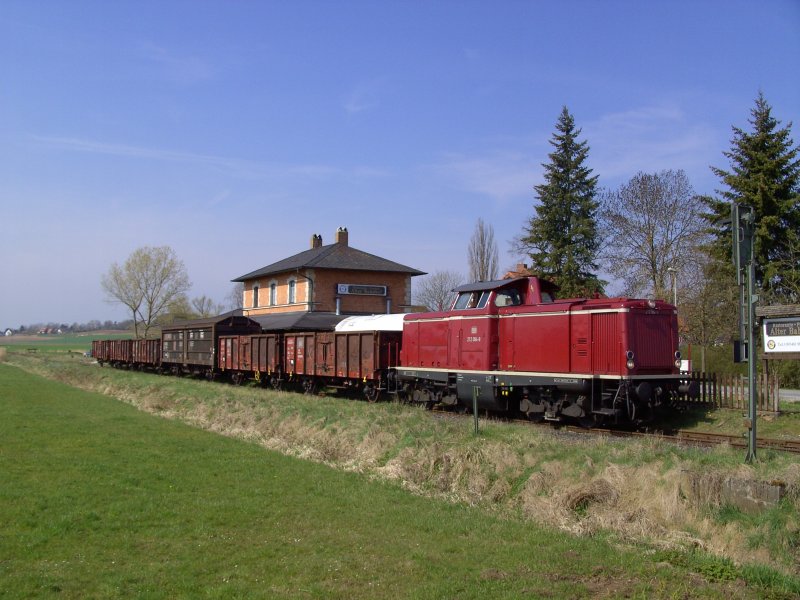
(233, 131)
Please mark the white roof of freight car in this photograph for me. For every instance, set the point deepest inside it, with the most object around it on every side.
(393, 322)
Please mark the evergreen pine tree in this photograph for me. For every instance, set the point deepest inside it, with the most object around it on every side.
(561, 238)
(765, 174)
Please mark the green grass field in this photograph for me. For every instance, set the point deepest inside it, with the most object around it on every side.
(100, 500)
(77, 342)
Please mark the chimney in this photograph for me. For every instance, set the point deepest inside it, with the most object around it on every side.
(341, 236)
(316, 241)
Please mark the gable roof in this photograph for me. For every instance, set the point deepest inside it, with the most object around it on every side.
(298, 321)
(332, 256)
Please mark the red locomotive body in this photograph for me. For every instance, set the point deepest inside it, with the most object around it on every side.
(510, 344)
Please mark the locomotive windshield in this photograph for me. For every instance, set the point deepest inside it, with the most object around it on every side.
(468, 300)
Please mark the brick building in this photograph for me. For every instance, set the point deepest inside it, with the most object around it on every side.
(334, 278)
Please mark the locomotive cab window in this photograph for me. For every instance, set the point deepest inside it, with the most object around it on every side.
(467, 300)
(507, 298)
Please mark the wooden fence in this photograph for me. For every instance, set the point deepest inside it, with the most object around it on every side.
(732, 391)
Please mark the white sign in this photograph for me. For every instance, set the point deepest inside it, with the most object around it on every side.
(354, 289)
(782, 335)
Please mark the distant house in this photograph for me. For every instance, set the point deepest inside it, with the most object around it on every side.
(521, 270)
(334, 278)
(8, 333)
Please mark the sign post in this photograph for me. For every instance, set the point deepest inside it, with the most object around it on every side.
(475, 391)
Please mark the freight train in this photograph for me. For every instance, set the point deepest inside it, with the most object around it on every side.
(509, 346)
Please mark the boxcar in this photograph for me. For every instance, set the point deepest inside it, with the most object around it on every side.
(190, 346)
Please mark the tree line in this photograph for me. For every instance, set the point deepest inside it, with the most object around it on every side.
(53, 327)
(653, 235)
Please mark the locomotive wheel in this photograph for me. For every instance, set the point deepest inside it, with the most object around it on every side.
(590, 421)
(423, 396)
(535, 417)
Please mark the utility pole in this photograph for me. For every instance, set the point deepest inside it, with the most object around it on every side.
(743, 227)
(673, 272)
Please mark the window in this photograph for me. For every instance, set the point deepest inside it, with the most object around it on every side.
(467, 300)
(508, 298)
(255, 296)
(462, 301)
(273, 294)
(292, 286)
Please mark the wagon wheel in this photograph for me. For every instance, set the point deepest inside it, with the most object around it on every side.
(277, 383)
(309, 387)
(372, 393)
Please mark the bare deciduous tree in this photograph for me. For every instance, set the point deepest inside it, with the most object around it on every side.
(483, 253)
(436, 290)
(235, 299)
(651, 224)
(149, 280)
(708, 298)
(206, 307)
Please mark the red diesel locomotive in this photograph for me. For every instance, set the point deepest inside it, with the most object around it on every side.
(512, 345)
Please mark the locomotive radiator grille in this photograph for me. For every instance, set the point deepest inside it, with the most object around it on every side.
(652, 344)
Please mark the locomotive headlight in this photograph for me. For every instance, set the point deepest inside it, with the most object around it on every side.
(677, 359)
(630, 362)
(651, 303)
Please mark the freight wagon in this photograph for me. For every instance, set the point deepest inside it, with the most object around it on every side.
(190, 347)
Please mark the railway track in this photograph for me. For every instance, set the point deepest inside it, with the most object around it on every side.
(677, 437)
(697, 438)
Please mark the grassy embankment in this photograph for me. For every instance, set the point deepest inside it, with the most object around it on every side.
(639, 497)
